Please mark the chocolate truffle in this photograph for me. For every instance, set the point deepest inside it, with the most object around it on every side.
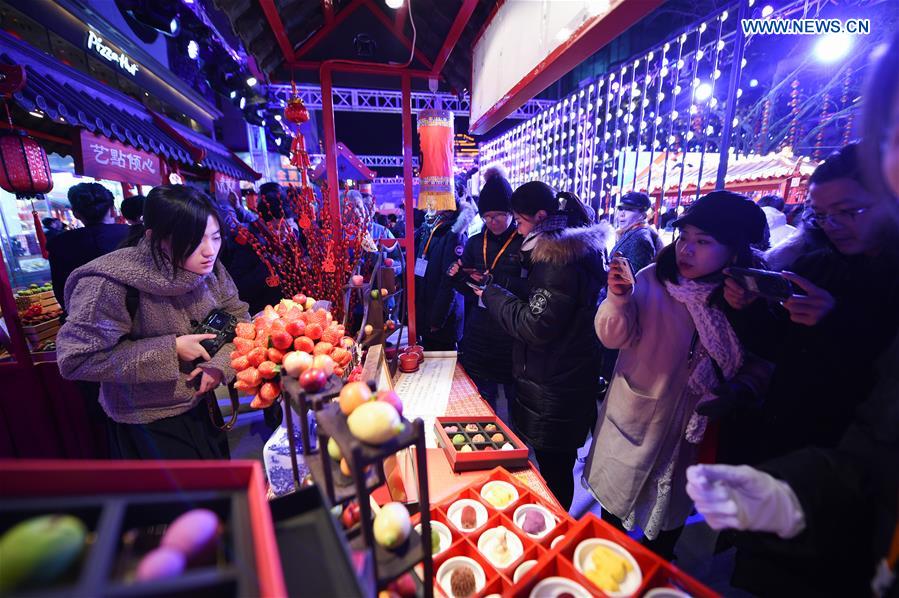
(497, 437)
(478, 438)
(534, 522)
(451, 429)
(458, 439)
(490, 428)
(565, 595)
(468, 518)
(471, 428)
(462, 582)
(487, 448)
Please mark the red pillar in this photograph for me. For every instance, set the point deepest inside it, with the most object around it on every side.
(333, 199)
(410, 216)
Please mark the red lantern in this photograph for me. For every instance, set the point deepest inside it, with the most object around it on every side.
(25, 171)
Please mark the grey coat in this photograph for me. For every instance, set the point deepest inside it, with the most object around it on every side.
(142, 380)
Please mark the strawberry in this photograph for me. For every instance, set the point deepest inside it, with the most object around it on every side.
(275, 355)
(262, 339)
(296, 328)
(256, 356)
(341, 356)
(279, 325)
(269, 392)
(339, 371)
(259, 403)
(240, 364)
(300, 298)
(281, 309)
(304, 343)
(323, 349)
(269, 369)
(244, 345)
(282, 340)
(250, 377)
(246, 388)
(314, 331)
(331, 335)
(234, 355)
(245, 330)
(293, 313)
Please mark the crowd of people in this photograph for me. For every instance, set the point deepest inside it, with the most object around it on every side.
(767, 348)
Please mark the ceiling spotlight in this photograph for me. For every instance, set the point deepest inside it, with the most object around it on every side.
(193, 50)
(252, 81)
(753, 83)
(233, 94)
(278, 117)
(243, 102)
(394, 4)
(767, 11)
(165, 20)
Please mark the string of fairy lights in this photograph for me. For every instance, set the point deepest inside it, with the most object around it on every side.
(597, 141)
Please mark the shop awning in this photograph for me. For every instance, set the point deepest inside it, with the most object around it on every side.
(740, 169)
(136, 127)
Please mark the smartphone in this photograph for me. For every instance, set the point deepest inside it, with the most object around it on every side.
(628, 269)
(476, 287)
(770, 285)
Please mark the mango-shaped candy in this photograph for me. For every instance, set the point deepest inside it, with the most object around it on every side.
(375, 422)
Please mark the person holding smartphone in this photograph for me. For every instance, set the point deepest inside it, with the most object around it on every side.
(494, 254)
(556, 355)
(152, 370)
(826, 336)
(678, 352)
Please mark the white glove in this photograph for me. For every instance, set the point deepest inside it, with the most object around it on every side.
(741, 497)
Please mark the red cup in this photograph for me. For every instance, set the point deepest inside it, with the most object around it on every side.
(409, 362)
(418, 350)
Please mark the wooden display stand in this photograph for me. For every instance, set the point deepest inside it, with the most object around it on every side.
(366, 464)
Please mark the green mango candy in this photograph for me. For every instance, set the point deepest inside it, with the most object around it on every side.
(38, 550)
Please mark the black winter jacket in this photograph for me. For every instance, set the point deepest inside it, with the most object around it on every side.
(437, 304)
(850, 498)
(556, 354)
(74, 248)
(485, 350)
(821, 372)
(638, 246)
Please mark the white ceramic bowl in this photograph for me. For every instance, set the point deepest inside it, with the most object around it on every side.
(499, 484)
(553, 586)
(551, 521)
(665, 593)
(634, 577)
(522, 569)
(454, 514)
(556, 541)
(443, 532)
(445, 572)
(512, 541)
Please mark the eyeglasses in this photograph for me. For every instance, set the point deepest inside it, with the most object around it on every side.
(495, 217)
(838, 218)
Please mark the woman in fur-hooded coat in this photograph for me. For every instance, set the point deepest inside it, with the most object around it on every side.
(556, 356)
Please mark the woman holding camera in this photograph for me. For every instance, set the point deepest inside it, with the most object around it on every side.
(152, 369)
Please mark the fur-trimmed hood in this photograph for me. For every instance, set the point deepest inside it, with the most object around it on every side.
(463, 220)
(566, 246)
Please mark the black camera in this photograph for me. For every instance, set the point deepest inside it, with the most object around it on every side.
(219, 323)
(769, 285)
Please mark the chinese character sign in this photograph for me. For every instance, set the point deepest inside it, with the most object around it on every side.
(223, 184)
(103, 158)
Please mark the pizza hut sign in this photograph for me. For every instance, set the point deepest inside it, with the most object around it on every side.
(103, 158)
(96, 44)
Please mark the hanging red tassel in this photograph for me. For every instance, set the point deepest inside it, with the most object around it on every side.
(39, 231)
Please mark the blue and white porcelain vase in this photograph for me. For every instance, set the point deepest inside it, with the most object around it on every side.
(276, 454)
